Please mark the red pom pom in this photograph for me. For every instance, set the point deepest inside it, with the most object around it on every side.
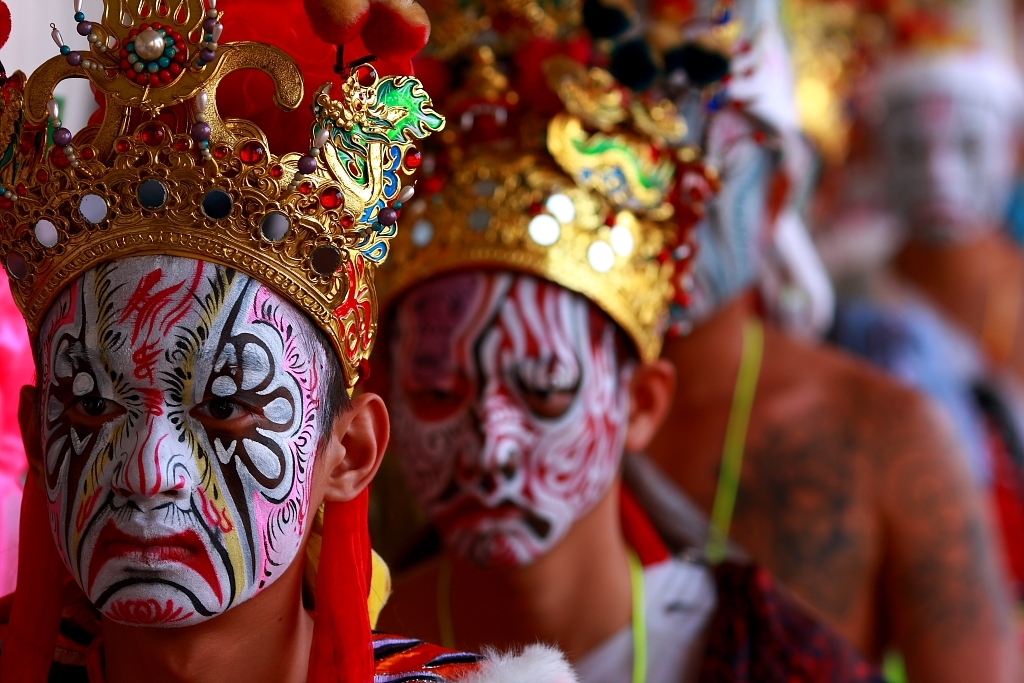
(5, 23)
(397, 29)
(249, 94)
(337, 21)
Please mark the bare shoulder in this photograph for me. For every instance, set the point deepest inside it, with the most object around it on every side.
(834, 448)
(941, 579)
(819, 379)
(412, 608)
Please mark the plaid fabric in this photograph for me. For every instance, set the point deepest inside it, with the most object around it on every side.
(759, 635)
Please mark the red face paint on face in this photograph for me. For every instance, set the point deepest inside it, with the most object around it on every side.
(180, 423)
(510, 410)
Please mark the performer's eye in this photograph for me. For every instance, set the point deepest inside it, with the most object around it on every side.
(94, 410)
(438, 402)
(549, 403)
(222, 410)
(549, 391)
(94, 405)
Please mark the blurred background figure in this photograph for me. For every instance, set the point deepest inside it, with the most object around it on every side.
(843, 482)
(937, 107)
(16, 370)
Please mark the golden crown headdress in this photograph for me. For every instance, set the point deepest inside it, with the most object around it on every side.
(562, 172)
(163, 173)
(836, 45)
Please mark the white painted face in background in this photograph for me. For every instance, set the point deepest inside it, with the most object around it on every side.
(950, 166)
(734, 234)
(181, 406)
(510, 410)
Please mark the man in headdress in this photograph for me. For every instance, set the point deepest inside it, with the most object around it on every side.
(527, 312)
(15, 371)
(200, 308)
(846, 485)
(943, 312)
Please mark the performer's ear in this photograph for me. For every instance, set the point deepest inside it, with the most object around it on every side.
(28, 420)
(650, 398)
(356, 446)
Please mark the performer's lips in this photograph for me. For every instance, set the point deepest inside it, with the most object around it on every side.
(470, 512)
(185, 548)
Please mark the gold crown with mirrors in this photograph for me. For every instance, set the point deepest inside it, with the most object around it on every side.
(572, 158)
(163, 173)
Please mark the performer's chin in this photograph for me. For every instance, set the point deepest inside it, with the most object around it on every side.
(138, 602)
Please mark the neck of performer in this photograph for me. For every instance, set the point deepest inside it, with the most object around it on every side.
(265, 639)
(575, 596)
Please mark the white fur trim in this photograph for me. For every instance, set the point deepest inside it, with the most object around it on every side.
(535, 664)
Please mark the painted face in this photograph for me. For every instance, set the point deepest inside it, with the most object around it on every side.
(733, 236)
(950, 166)
(180, 405)
(510, 410)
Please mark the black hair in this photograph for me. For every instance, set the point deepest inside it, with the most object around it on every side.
(335, 400)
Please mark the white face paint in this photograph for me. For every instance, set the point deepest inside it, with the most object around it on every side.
(733, 236)
(180, 420)
(950, 166)
(510, 410)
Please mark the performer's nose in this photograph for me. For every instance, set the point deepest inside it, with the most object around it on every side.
(506, 439)
(152, 475)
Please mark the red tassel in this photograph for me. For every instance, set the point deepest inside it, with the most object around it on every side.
(397, 29)
(35, 616)
(342, 645)
(5, 23)
(338, 21)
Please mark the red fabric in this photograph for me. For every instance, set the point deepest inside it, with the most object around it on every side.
(532, 84)
(342, 647)
(759, 635)
(1007, 496)
(639, 532)
(36, 612)
(5, 23)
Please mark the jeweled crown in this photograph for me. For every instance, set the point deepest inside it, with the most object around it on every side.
(163, 173)
(556, 167)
